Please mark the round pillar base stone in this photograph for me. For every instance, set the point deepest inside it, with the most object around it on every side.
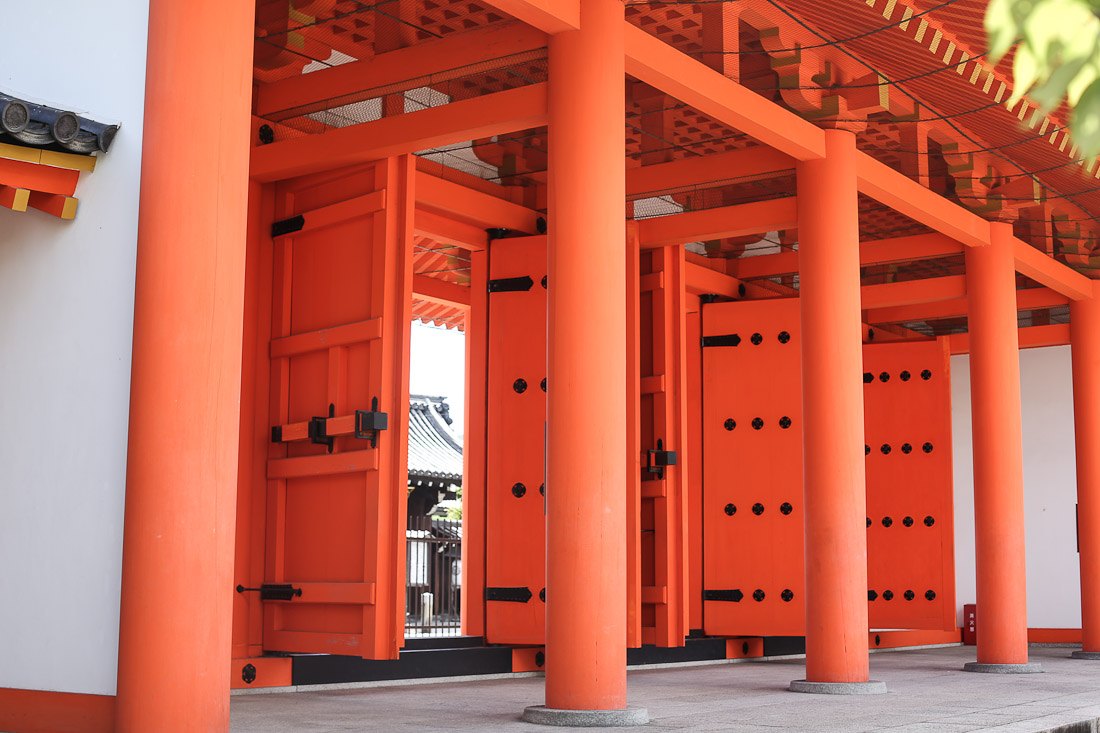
(871, 687)
(1082, 654)
(542, 715)
(1028, 668)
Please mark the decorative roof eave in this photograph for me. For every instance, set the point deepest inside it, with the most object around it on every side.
(37, 125)
(43, 150)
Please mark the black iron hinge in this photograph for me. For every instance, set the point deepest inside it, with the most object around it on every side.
(734, 596)
(728, 339)
(288, 226)
(512, 595)
(511, 284)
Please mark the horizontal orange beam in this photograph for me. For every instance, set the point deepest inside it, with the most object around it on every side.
(493, 114)
(326, 338)
(1048, 271)
(438, 291)
(898, 249)
(1031, 337)
(445, 230)
(551, 16)
(430, 62)
(342, 211)
(701, 280)
(1030, 299)
(706, 169)
(911, 199)
(38, 177)
(658, 64)
(724, 221)
(353, 461)
(464, 204)
(913, 292)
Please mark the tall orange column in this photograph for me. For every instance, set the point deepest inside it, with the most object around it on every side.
(834, 481)
(1084, 330)
(998, 455)
(174, 637)
(586, 355)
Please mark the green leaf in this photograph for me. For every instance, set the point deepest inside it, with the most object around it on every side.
(1025, 72)
(1000, 26)
(1085, 121)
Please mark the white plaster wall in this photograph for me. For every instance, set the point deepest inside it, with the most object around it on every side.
(1053, 590)
(66, 320)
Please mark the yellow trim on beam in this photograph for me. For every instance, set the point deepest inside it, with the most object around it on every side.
(18, 152)
(69, 161)
(68, 211)
(15, 199)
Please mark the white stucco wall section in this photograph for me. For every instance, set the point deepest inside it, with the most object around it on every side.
(66, 321)
(1050, 490)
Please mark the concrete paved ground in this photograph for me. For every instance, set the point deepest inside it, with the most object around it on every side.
(927, 692)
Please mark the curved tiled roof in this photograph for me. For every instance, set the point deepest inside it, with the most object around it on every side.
(29, 123)
(434, 451)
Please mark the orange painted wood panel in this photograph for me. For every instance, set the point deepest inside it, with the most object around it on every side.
(515, 473)
(266, 672)
(35, 711)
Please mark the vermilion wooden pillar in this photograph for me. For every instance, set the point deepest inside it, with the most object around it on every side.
(586, 404)
(998, 455)
(832, 398)
(1084, 330)
(174, 637)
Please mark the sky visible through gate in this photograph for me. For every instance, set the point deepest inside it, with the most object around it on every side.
(438, 367)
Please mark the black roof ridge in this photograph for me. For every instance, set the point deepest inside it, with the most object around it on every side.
(40, 125)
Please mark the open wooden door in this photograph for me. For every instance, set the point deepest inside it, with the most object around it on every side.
(515, 546)
(336, 469)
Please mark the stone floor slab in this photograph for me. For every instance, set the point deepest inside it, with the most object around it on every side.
(927, 692)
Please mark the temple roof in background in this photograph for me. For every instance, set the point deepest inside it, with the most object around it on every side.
(434, 450)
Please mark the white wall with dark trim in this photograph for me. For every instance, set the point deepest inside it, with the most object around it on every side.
(66, 321)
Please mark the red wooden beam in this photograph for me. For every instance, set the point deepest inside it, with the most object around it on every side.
(441, 292)
(907, 197)
(718, 223)
(551, 16)
(1030, 299)
(707, 169)
(37, 177)
(897, 249)
(430, 62)
(475, 208)
(913, 292)
(445, 230)
(1031, 337)
(658, 64)
(492, 114)
(1047, 271)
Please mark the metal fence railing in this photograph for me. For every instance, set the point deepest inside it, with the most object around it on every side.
(433, 577)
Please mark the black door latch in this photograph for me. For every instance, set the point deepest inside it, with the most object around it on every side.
(274, 591)
(657, 460)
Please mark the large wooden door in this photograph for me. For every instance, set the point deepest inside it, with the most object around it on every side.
(515, 543)
(753, 549)
(341, 293)
(752, 469)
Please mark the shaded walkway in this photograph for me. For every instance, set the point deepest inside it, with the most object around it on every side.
(927, 693)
